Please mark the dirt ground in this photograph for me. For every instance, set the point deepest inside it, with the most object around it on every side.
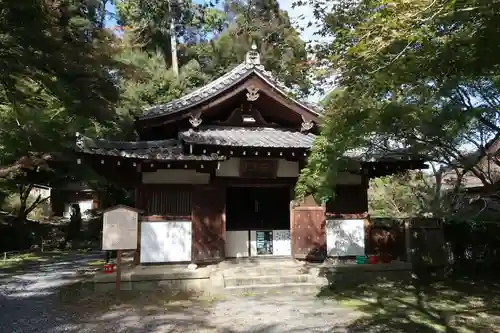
(52, 297)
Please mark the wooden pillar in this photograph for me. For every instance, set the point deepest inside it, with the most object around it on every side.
(368, 235)
(137, 253)
(292, 224)
(408, 240)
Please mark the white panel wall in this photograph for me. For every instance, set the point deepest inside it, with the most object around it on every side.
(168, 176)
(345, 237)
(163, 242)
(253, 243)
(282, 245)
(237, 244)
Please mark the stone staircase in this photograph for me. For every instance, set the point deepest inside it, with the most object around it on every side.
(270, 277)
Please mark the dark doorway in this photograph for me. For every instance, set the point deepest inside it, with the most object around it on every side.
(254, 208)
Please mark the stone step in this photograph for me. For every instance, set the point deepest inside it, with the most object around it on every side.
(247, 280)
(306, 288)
(259, 271)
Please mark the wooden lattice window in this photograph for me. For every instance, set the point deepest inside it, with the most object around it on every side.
(166, 200)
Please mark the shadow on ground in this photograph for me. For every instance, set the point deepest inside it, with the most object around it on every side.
(36, 259)
(421, 304)
(160, 311)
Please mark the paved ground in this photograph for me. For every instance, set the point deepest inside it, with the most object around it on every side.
(49, 299)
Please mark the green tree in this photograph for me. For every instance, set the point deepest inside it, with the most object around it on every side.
(418, 73)
(404, 195)
(282, 50)
(152, 24)
(218, 40)
(57, 67)
(150, 82)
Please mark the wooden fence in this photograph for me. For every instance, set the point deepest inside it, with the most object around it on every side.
(417, 240)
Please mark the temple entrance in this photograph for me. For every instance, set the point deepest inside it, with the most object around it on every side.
(257, 208)
(258, 221)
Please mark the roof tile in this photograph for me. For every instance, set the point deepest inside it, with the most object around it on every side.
(212, 89)
(259, 137)
(162, 150)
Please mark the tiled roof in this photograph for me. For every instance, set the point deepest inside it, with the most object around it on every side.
(212, 89)
(256, 137)
(162, 150)
(373, 155)
(263, 137)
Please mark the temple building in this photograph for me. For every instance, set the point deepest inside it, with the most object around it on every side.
(214, 173)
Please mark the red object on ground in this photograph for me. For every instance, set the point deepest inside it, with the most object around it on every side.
(109, 268)
(372, 260)
(385, 259)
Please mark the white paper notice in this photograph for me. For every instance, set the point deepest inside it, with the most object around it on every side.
(120, 228)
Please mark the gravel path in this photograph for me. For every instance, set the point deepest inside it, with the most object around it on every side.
(27, 297)
(37, 301)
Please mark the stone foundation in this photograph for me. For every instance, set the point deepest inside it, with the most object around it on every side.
(166, 278)
(273, 274)
(348, 275)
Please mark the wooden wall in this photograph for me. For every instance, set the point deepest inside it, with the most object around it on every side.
(169, 201)
(208, 218)
(205, 207)
(349, 199)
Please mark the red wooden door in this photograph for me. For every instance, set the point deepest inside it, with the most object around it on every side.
(308, 233)
(208, 233)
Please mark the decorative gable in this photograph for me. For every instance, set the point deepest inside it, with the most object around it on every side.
(251, 66)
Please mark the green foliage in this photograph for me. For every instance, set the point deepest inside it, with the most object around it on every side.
(150, 82)
(281, 48)
(45, 96)
(38, 209)
(418, 73)
(152, 23)
(218, 40)
(403, 195)
(57, 68)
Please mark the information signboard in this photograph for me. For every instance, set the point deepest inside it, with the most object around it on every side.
(120, 227)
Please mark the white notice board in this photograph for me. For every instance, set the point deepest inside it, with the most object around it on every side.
(119, 231)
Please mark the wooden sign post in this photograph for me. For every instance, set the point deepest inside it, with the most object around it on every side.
(119, 232)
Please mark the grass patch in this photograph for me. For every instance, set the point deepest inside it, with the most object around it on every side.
(247, 294)
(448, 307)
(17, 260)
(96, 263)
(353, 303)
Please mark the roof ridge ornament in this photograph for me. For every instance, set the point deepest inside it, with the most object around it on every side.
(253, 93)
(253, 57)
(80, 140)
(306, 125)
(195, 120)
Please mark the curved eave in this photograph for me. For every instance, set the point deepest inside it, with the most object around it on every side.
(199, 95)
(163, 150)
(217, 87)
(160, 157)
